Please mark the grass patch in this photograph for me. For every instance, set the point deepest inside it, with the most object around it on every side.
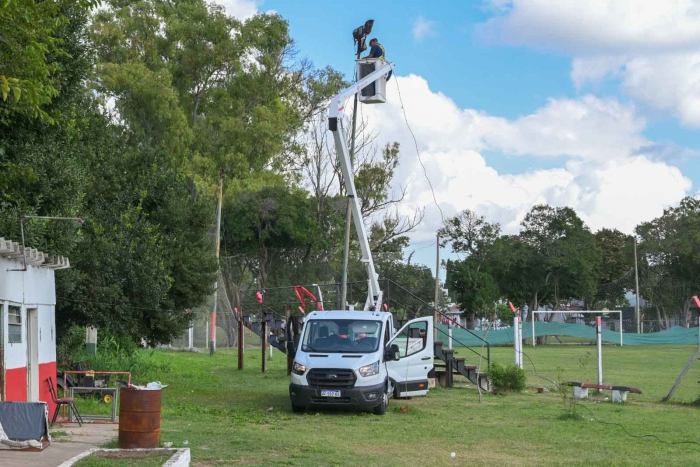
(125, 459)
(231, 417)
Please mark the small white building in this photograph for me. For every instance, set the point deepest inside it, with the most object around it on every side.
(27, 323)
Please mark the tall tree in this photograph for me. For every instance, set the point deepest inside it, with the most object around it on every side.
(212, 91)
(567, 250)
(474, 287)
(670, 246)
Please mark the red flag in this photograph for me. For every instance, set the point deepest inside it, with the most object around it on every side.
(259, 296)
(512, 308)
(697, 301)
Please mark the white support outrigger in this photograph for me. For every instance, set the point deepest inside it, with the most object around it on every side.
(374, 295)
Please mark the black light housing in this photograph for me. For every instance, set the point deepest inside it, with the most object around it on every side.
(360, 33)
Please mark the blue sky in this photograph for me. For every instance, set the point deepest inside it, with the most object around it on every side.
(592, 104)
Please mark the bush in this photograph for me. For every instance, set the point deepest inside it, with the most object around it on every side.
(70, 343)
(114, 354)
(511, 377)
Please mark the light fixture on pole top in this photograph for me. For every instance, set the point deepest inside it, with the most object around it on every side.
(360, 34)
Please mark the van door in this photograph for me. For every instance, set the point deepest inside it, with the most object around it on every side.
(409, 374)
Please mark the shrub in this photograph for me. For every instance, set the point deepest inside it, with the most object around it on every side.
(511, 377)
(115, 354)
(70, 343)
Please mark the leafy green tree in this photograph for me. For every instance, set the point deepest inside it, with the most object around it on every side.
(144, 253)
(212, 91)
(31, 54)
(567, 253)
(670, 245)
(617, 263)
(469, 279)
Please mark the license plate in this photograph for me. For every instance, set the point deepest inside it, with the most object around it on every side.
(330, 392)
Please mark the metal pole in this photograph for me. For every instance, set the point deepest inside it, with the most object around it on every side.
(212, 339)
(520, 342)
(437, 284)
(348, 210)
(534, 315)
(515, 337)
(600, 352)
(620, 328)
(449, 334)
(636, 285)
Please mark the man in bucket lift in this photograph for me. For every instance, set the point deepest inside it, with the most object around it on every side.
(377, 51)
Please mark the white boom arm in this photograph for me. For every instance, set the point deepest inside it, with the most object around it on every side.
(374, 295)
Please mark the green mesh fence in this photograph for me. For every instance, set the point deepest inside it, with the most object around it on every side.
(675, 335)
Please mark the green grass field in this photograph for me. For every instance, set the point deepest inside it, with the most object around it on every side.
(237, 417)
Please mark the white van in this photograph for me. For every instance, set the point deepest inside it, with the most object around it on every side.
(355, 359)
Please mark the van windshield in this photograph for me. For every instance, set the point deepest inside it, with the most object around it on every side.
(342, 335)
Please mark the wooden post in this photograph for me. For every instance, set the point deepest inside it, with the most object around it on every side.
(437, 284)
(241, 342)
(264, 344)
(680, 378)
(289, 339)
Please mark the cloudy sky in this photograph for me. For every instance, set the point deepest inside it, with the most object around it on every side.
(592, 104)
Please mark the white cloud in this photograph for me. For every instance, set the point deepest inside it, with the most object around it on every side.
(605, 175)
(423, 28)
(668, 82)
(600, 26)
(650, 46)
(589, 127)
(239, 9)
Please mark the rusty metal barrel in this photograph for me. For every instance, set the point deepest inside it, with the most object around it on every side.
(139, 418)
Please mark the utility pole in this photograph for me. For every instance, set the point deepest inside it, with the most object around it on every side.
(212, 339)
(348, 210)
(437, 284)
(636, 281)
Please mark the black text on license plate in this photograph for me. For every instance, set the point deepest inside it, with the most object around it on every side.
(330, 392)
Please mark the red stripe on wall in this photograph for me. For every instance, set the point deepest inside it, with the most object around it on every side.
(47, 370)
(16, 384)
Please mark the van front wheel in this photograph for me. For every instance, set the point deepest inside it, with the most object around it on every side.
(298, 408)
(381, 408)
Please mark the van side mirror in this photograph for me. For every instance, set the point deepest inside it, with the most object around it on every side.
(393, 353)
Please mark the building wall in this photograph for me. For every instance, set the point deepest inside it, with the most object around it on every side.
(34, 288)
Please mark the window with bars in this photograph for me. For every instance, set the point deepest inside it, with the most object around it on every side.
(14, 325)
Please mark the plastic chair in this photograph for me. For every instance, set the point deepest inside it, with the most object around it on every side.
(62, 401)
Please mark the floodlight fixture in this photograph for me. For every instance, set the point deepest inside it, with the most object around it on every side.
(360, 33)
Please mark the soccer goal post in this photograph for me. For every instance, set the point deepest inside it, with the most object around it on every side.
(575, 312)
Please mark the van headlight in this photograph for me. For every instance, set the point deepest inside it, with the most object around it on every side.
(370, 370)
(298, 369)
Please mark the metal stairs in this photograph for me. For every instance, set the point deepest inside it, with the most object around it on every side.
(452, 365)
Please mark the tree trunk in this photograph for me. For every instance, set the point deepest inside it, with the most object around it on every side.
(686, 313)
(658, 318)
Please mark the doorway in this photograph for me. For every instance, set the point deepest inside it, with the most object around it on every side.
(32, 355)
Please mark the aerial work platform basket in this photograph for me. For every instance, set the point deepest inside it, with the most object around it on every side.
(374, 93)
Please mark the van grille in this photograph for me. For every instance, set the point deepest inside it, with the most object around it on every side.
(319, 378)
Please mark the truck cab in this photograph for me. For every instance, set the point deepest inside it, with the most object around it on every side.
(357, 359)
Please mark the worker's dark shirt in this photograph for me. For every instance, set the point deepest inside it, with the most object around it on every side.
(375, 51)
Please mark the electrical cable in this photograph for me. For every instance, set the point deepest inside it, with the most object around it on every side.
(603, 422)
(116, 304)
(415, 142)
(632, 434)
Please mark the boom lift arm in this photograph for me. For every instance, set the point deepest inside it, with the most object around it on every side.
(374, 295)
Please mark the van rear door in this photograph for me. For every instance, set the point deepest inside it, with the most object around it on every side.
(409, 374)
